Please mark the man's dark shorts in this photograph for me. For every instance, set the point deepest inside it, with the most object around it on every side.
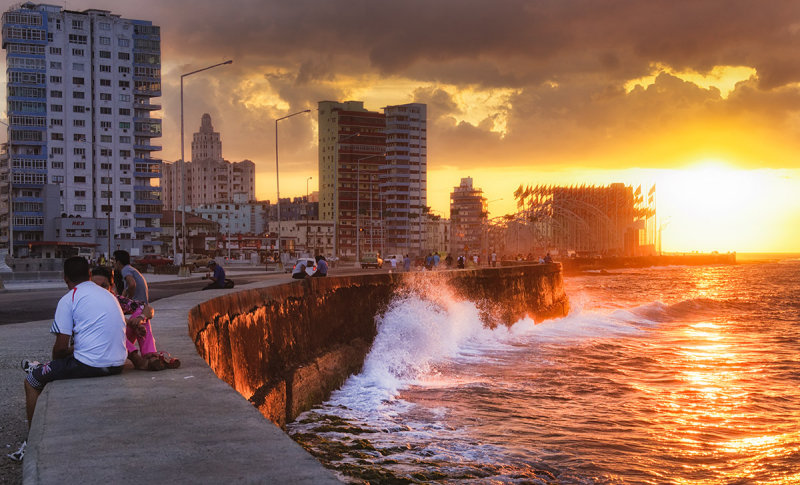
(66, 368)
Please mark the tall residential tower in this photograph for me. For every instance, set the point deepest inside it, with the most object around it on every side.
(79, 166)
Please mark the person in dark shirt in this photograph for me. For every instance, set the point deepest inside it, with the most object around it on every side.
(217, 276)
(322, 267)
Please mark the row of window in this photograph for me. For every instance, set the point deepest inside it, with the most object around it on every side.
(23, 18)
(22, 33)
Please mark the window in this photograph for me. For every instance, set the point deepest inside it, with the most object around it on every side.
(80, 193)
(56, 122)
(80, 208)
(105, 111)
(123, 42)
(105, 82)
(77, 39)
(124, 139)
(105, 166)
(124, 70)
(124, 112)
(57, 165)
(124, 125)
(124, 153)
(124, 167)
(77, 95)
(105, 96)
(56, 51)
(124, 208)
(56, 136)
(78, 81)
(125, 181)
(55, 79)
(79, 179)
(124, 97)
(124, 84)
(105, 152)
(79, 151)
(124, 223)
(105, 54)
(125, 194)
(77, 66)
(56, 94)
(106, 125)
(55, 65)
(78, 123)
(123, 56)
(105, 26)
(79, 109)
(104, 68)
(106, 139)
(79, 165)
(77, 24)
(56, 108)
(57, 179)
(77, 52)
(105, 40)
(105, 180)
(57, 150)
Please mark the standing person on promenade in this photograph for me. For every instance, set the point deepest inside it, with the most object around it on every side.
(135, 286)
(406, 263)
(90, 336)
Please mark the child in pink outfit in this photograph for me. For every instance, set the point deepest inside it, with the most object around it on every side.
(138, 328)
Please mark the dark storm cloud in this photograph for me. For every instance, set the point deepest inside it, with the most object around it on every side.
(565, 61)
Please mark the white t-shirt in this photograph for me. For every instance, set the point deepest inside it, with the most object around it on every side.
(93, 317)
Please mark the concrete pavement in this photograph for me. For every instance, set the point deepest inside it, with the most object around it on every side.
(174, 426)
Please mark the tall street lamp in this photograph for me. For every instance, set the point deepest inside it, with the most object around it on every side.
(278, 181)
(358, 204)
(105, 151)
(336, 190)
(307, 206)
(184, 271)
(10, 202)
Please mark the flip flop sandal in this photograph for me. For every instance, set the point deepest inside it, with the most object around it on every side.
(169, 361)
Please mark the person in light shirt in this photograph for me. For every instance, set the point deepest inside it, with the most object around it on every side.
(89, 330)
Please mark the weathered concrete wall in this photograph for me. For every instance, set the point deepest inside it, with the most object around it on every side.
(288, 347)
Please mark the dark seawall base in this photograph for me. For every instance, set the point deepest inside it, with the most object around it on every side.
(287, 347)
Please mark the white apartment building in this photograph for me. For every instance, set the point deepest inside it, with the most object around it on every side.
(404, 178)
(79, 108)
(236, 218)
(208, 179)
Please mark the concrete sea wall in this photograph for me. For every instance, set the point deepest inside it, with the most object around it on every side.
(287, 347)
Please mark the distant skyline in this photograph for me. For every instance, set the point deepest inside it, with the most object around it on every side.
(681, 94)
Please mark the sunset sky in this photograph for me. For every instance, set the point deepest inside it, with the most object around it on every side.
(701, 98)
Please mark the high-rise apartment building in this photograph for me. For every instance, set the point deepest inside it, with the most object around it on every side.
(468, 219)
(352, 147)
(208, 179)
(373, 176)
(79, 162)
(404, 178)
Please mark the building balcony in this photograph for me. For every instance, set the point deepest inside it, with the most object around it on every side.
(145, 104)
(151, 148)
(140, 215)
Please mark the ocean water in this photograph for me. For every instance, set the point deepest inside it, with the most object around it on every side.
(661, 375)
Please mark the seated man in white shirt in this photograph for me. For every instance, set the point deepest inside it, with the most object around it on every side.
(90, 335)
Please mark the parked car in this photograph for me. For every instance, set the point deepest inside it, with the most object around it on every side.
(309, 265)
(371, 260)
(153, 260)
(195, 261)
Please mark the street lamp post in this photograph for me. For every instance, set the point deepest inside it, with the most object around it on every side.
(10, 157)
(336, 190)
(278, 181)
(307, 206)
(184, 271)
(358, 204)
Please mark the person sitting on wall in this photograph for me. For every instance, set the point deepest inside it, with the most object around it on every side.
(322, 267)
(90, 336)
(217, 276)
(300, 272)
(548, 258)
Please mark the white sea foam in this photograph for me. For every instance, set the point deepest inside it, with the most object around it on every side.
(427, 327)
